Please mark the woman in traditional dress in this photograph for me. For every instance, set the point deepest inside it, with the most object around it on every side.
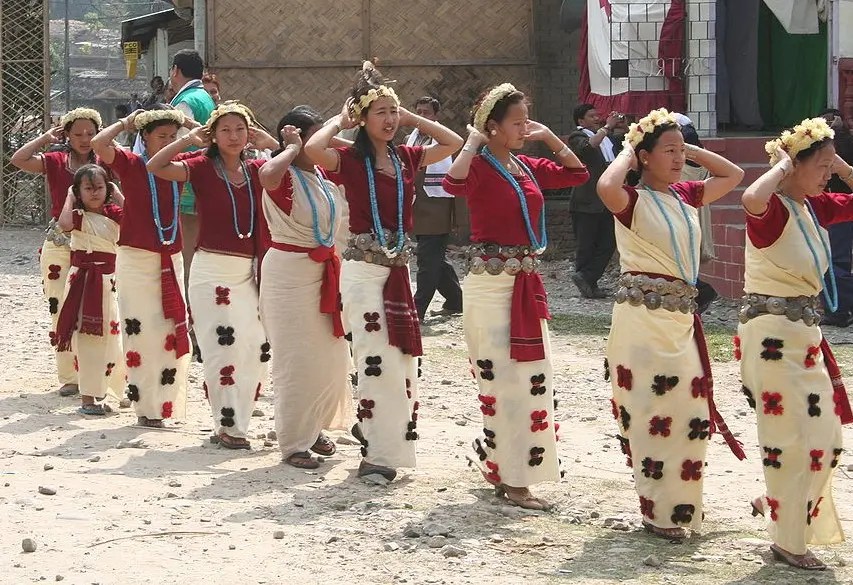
(300, 297)
(658, 361)
(504, 298)
(223, 292)
(90, 312)
(379, 312)
(789, 374)
(150, 269)
(75, 132)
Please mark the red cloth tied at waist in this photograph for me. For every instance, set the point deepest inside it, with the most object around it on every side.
(404, 329)
(529, 306)
(87, 292)
(174, 307)
(839, 396)
(330, 289)
(717, 423)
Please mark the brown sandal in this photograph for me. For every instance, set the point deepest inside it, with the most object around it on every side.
(522, 499)
(673, 534)
(230, 442)
(808, 561)
(324, 446)
(302, 460)
(151, 423)
(365, 468)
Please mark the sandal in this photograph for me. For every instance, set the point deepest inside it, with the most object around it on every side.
(230, 442)
(366, 468)
(521, 497)
(69, 390)
(151, 423)
(673, 534)
(92, 410)
(757, 507)
(302, 460)
(808, 561)
(324, 446)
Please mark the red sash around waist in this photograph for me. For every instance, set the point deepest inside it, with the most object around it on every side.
(529, 306)
(87, 292)
(330, 289)
(174, 306)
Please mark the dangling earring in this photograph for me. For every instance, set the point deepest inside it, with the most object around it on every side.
(362, 123)
(493, 132)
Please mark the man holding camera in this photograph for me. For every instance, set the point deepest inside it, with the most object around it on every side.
(591, 221)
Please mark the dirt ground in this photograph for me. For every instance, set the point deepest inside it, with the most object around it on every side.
(172, 507)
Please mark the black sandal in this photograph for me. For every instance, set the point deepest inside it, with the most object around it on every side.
(366, 468)
(234, 443)
(151, 423)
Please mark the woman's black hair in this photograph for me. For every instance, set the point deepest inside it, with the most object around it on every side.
(368, 78)
(813, 149)
(213, 150)
(67, 129)
(90, 171)
(303, 117)
(502, 106)
(650, 140)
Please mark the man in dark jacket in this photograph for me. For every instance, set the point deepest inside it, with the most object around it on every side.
(591, 221)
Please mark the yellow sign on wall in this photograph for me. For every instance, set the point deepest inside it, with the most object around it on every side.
(131, 57)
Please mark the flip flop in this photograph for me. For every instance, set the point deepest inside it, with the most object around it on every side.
(807, 562)
(233, 443)
(324, 446)
(92, 410)
(302, 460)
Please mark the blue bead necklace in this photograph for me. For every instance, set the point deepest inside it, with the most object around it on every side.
(321, 240)
(538, 245)
(172, 228)
(831, 297)
(691, 277)
(374, 205)
(221, 168)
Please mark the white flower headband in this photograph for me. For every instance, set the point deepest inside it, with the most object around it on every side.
(371, 96)
(800, 138)
(230, 107)
(647, 125)
(142, 120)
(485, 108)
(81, 114)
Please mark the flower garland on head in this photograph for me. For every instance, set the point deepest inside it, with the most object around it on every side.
(145, 118)
(373, 94)
(638, 130)
(488, 104)
(230, 107)
(81, 114)
(801, 137)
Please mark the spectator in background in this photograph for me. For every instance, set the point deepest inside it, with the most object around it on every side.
(134, 103)
(211, 86)
(591, 221)
(157, 95)
(125, 138)
(434, 220)
(841, 234)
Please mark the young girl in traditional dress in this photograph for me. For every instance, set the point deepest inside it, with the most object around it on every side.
(378, 180)
(75, 131)
(300, 296)
(658, 361)
(223, 291)
(504, 298)
(789, 374)
(149, 269)
(89, 314)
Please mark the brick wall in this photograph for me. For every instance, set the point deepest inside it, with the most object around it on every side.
(557, 74)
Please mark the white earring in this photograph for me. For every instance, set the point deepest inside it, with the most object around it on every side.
(493, 132)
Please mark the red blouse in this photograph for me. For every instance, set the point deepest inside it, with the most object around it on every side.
(352, 175)
(691, 192)
(495, 210)
(137, 228)
(829, 208)
(59, 178)
(216, 213)
(282, 195)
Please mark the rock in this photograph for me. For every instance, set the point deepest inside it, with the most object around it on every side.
(621, 526)
(347, 440)
(436, 529)
(698, 558)
(412, 531)
(652, 561)
(260, 436)
(103, 435)
(174, 483)
(232, 547)
(29, 545)
(258, 412)
(278, 535)
(446, 383)
(268, 443)
(272, 436)
(391, 546)
(60, 578)
(124, 403)
(94, 459)
(437, 542)
(375, 479)
(594, 514)
(611, 520)
(46, 490)
(496, 538)
(48, 466)
(332, 539)
(171, 495)
(461, 422)
(451, 551)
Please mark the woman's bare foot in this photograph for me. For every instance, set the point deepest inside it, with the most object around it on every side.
(521, 497)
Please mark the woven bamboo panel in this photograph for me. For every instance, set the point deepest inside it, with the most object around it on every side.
(272, 92)
(274, 31)
(445, 31)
